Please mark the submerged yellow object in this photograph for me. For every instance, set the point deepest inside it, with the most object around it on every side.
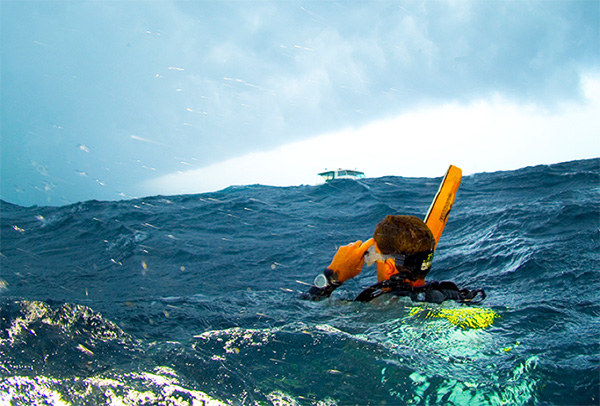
(464, 317)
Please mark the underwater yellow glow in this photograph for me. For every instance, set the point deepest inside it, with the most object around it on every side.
(464, 317)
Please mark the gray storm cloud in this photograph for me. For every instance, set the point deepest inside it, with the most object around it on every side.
(204, 82)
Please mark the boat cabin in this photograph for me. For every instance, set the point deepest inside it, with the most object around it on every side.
(342, 174)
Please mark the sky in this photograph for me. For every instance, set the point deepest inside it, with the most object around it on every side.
(123, 99)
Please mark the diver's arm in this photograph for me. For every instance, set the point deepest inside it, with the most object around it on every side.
(346, 264)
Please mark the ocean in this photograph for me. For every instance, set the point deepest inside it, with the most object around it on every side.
(194, 299)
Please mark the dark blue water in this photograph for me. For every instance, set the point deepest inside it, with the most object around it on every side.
(192, 299)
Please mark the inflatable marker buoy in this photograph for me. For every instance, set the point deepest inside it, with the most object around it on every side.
(437, 215)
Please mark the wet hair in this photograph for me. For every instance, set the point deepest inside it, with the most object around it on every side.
(406, 235)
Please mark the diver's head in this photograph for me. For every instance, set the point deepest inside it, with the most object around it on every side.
(408, 244)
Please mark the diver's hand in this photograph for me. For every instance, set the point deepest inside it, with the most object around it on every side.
(349, 259)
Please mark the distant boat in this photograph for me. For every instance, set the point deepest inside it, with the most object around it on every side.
(342, 174)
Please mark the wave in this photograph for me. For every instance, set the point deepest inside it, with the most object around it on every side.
(196, 297)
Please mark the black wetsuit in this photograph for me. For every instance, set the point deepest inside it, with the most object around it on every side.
(433, 292)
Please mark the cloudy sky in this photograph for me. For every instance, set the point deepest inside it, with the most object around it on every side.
(121, 99)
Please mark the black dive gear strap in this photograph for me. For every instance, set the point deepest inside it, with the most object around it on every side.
(419, 263)
(433, 292)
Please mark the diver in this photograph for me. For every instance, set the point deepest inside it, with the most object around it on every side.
(403, 247)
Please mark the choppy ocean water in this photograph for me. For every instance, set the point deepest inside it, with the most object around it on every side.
(190, 300)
